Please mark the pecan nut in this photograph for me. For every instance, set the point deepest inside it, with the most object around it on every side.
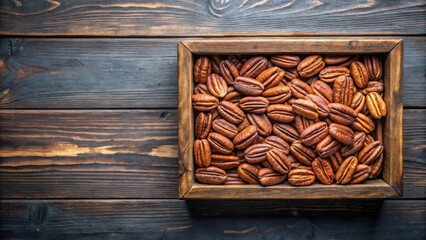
(204, 102)
(231, 112)
(322, 90)
(374, 67)
(271, 77)
(281, 113)
(253, 67)
(202, 153)
(310, 66)
(342, 133)
(305, 108)
(323, 171)
(256, 153)
(346, 170)
(343, 90)
(202, 69)
(362, 172)
(286, 132)
(342, 114)
(229, 71)
(225, 128)
(300, 89)
(278, 160)
(248, 173)
(314, 133)
(248, 86)
(261, 122)
(225, 161)
(203, 124)
(327, 147)
(370, 153)
(329, 74)
(278, 94)
(211, 175)
(246, 137)
(352, 149)
(220, 143)
(376, 105)
(302, 153)
(359, 74)
(217, 85)
(285, 61)
(363, 123)
(301, 177)
(255, 104)
(268, 177)
(277, 143)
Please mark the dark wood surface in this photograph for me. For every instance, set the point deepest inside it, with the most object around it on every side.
(211, 17)
(176, 219)
(88, 125)
(123, 153)
(126, 73)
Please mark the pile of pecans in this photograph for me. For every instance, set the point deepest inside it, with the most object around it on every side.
(265, 119)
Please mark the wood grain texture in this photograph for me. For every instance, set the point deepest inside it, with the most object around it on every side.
(124, 153)
(211, 18)
(186, 119)
(174, 219)
(374, 189)
(88, 154)
(125, 73)
(392, 127)
(290, 45)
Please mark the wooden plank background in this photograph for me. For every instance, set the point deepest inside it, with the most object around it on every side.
(88, 120)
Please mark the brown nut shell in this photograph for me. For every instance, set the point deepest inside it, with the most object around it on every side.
(253, 67)
(286, 132)
(246, 137)
(269, 177)
(271, 77)
(285, 61)
(231, 112)
(301, 177)
(310, 66)
(342, 133)
(346, 170)
(248, 86)
(376, 105)
(217, 85)
(248, 173)
(257, 153)
(204, 102)
(203, 124)
(225, 128)
(302, 153)
(323, 171)
(202, 69)
(228, 71)
(278, 94)
(224, 161)
(281, 113)
(220, 143)
(211, 175)
(314, 133)
(202, 153)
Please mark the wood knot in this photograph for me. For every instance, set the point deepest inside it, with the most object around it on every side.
(164, 115)
(219, 8)
(4, 93)
(353, 44)
(38, 213)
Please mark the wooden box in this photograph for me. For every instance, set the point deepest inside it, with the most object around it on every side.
(390, 129)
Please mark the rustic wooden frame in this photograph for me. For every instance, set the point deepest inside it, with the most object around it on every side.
(390, 130)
